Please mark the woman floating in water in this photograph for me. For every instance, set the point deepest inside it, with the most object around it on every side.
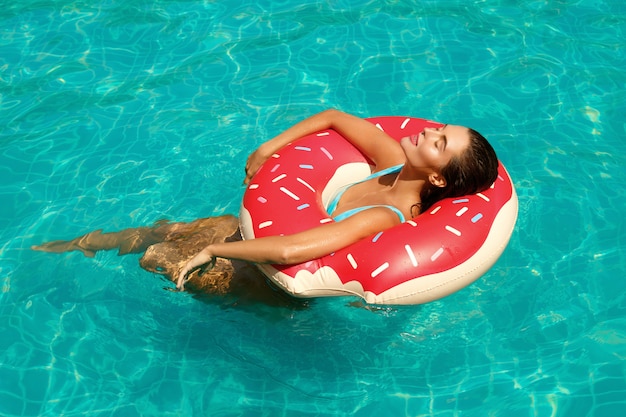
(449, 161)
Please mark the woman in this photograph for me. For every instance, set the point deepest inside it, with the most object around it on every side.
(408, 177)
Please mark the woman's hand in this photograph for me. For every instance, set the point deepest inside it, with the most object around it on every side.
(254, 162)
(200, 261)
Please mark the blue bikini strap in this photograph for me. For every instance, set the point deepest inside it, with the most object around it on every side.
(333, 204)
(349, 213)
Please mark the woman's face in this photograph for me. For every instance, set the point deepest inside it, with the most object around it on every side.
(432, 149)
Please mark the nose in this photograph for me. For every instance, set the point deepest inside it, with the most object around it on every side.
(432, 132)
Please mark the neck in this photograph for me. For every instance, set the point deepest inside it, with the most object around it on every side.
(407, 187)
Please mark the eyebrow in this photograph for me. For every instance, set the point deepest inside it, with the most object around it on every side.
(445, 138)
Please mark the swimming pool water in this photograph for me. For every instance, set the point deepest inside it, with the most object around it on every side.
(117, 114)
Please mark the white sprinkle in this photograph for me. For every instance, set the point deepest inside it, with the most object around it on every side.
(275, 155)
(306, 184)
(453, 230)
(326, 220)
(328, 154)
(435, 210)
(409, 252)
(412, 223)
(380, 269)
(323, 134)
(461, 212)
(380, 127)
(436, 254)
(265, 224)
(352, 261)
(289, 193)
(406, 121)
(484, 197)
(253, 186)
(280, 177)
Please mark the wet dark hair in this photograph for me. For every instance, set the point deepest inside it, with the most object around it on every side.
(471, 172)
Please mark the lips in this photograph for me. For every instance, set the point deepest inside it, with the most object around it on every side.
(414, 139)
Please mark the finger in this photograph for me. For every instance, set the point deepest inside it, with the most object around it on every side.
(183, 277)
(180, 282)
(248, 177)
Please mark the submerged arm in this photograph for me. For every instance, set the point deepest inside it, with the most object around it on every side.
(299, 247)
(373, 142)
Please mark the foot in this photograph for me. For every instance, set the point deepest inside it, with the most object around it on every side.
(60, 246)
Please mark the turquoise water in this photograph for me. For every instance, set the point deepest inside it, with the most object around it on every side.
(117, 114)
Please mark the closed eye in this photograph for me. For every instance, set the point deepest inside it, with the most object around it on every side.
(443, 142)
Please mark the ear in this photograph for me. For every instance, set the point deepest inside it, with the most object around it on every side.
(437, 180)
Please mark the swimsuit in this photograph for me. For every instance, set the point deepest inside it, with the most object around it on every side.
(333, 203)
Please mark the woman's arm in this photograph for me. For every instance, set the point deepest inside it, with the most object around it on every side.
(373, 142)
(299, 247)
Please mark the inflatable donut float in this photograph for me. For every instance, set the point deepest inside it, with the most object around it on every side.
(423, 259)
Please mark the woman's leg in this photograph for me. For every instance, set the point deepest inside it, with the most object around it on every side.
(168, 247)
(135, 240)
(170, 255)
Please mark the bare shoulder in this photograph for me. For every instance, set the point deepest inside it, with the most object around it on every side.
(368, 138)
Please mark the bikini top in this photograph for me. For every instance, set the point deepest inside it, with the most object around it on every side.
(333, 203)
